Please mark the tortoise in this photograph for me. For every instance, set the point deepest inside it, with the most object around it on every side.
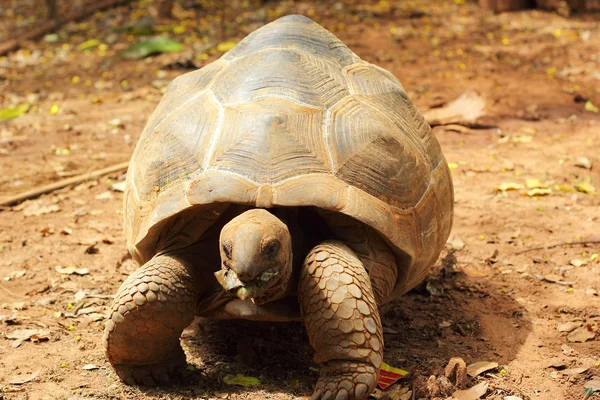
(287, 180)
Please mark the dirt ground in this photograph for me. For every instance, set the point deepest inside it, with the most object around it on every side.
(496, 294)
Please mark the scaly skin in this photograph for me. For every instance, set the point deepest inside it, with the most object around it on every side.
(342, 320)
(149, 312)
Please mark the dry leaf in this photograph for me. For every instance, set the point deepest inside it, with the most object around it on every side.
(473, 393)
(20, 335)
(508, 186)
(568, 350)
(456, 243)
(568, 326)
(36, 209)
(534, 183)
(21, 379)
(480, 367)
(581, 335)
(585, 187)
(225, 46)
(573, 371)
(583, 162)
(71, 270)
(468, 107)
(241, 380)
(539, 192)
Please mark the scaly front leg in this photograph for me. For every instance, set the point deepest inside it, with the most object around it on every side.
(149, 312)
(342, 321)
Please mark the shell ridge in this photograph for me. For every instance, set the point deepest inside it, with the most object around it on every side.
(285, 48)
(272, 96)
(416, 138)
(192, 98)
(215, 136)
(327, 138)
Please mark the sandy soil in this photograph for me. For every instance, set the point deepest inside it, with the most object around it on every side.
(536, 71)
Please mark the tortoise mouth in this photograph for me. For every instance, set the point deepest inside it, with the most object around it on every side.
(231, 283)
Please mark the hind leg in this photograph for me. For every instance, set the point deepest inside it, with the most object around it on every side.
(149, 312)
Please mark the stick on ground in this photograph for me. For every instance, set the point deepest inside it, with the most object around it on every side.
(584, 242)
(50, 26)
(40, 190)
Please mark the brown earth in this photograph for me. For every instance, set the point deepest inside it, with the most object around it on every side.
(535, 70)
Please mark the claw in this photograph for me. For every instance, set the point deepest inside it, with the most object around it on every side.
(360, 392)
(327, 396)
(342, 395)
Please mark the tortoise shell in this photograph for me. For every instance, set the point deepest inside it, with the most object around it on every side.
(290, 117)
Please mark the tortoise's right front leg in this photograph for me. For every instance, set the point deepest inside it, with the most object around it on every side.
(149, 312)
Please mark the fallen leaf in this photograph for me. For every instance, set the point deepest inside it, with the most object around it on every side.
(590, 291)
(226, 46)
(473, 272)
(508, 186)
(241, 380)
(539, 192)
(435, 287)
(457, 243)
(71, 270)
(592, 386)
(468, 107)
(573, 371)
(15, 275)
(156, 45)
(10, 113)
(589, 106)
(37, 209)
(118, 187)
(22, 379)
(585, 187)
(104, 196)
(581, 335)
(20, 335)
(480, 367)
(568, 350)
(568, 326)
(522, 139)
(88, 44)
(577, 263)
(583, 162)
(473, 393)
(534, 183)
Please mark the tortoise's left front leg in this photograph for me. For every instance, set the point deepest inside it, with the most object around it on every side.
(342, 321)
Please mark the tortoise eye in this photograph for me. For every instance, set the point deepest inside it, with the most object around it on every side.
(226, 247)
(271, 248)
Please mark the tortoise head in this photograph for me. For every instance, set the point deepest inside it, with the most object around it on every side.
(256, 256)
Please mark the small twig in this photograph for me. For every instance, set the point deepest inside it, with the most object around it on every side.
(47, 27)
(61, 184)
(584, 242)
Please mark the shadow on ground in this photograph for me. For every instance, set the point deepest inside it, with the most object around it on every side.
(474, 319)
